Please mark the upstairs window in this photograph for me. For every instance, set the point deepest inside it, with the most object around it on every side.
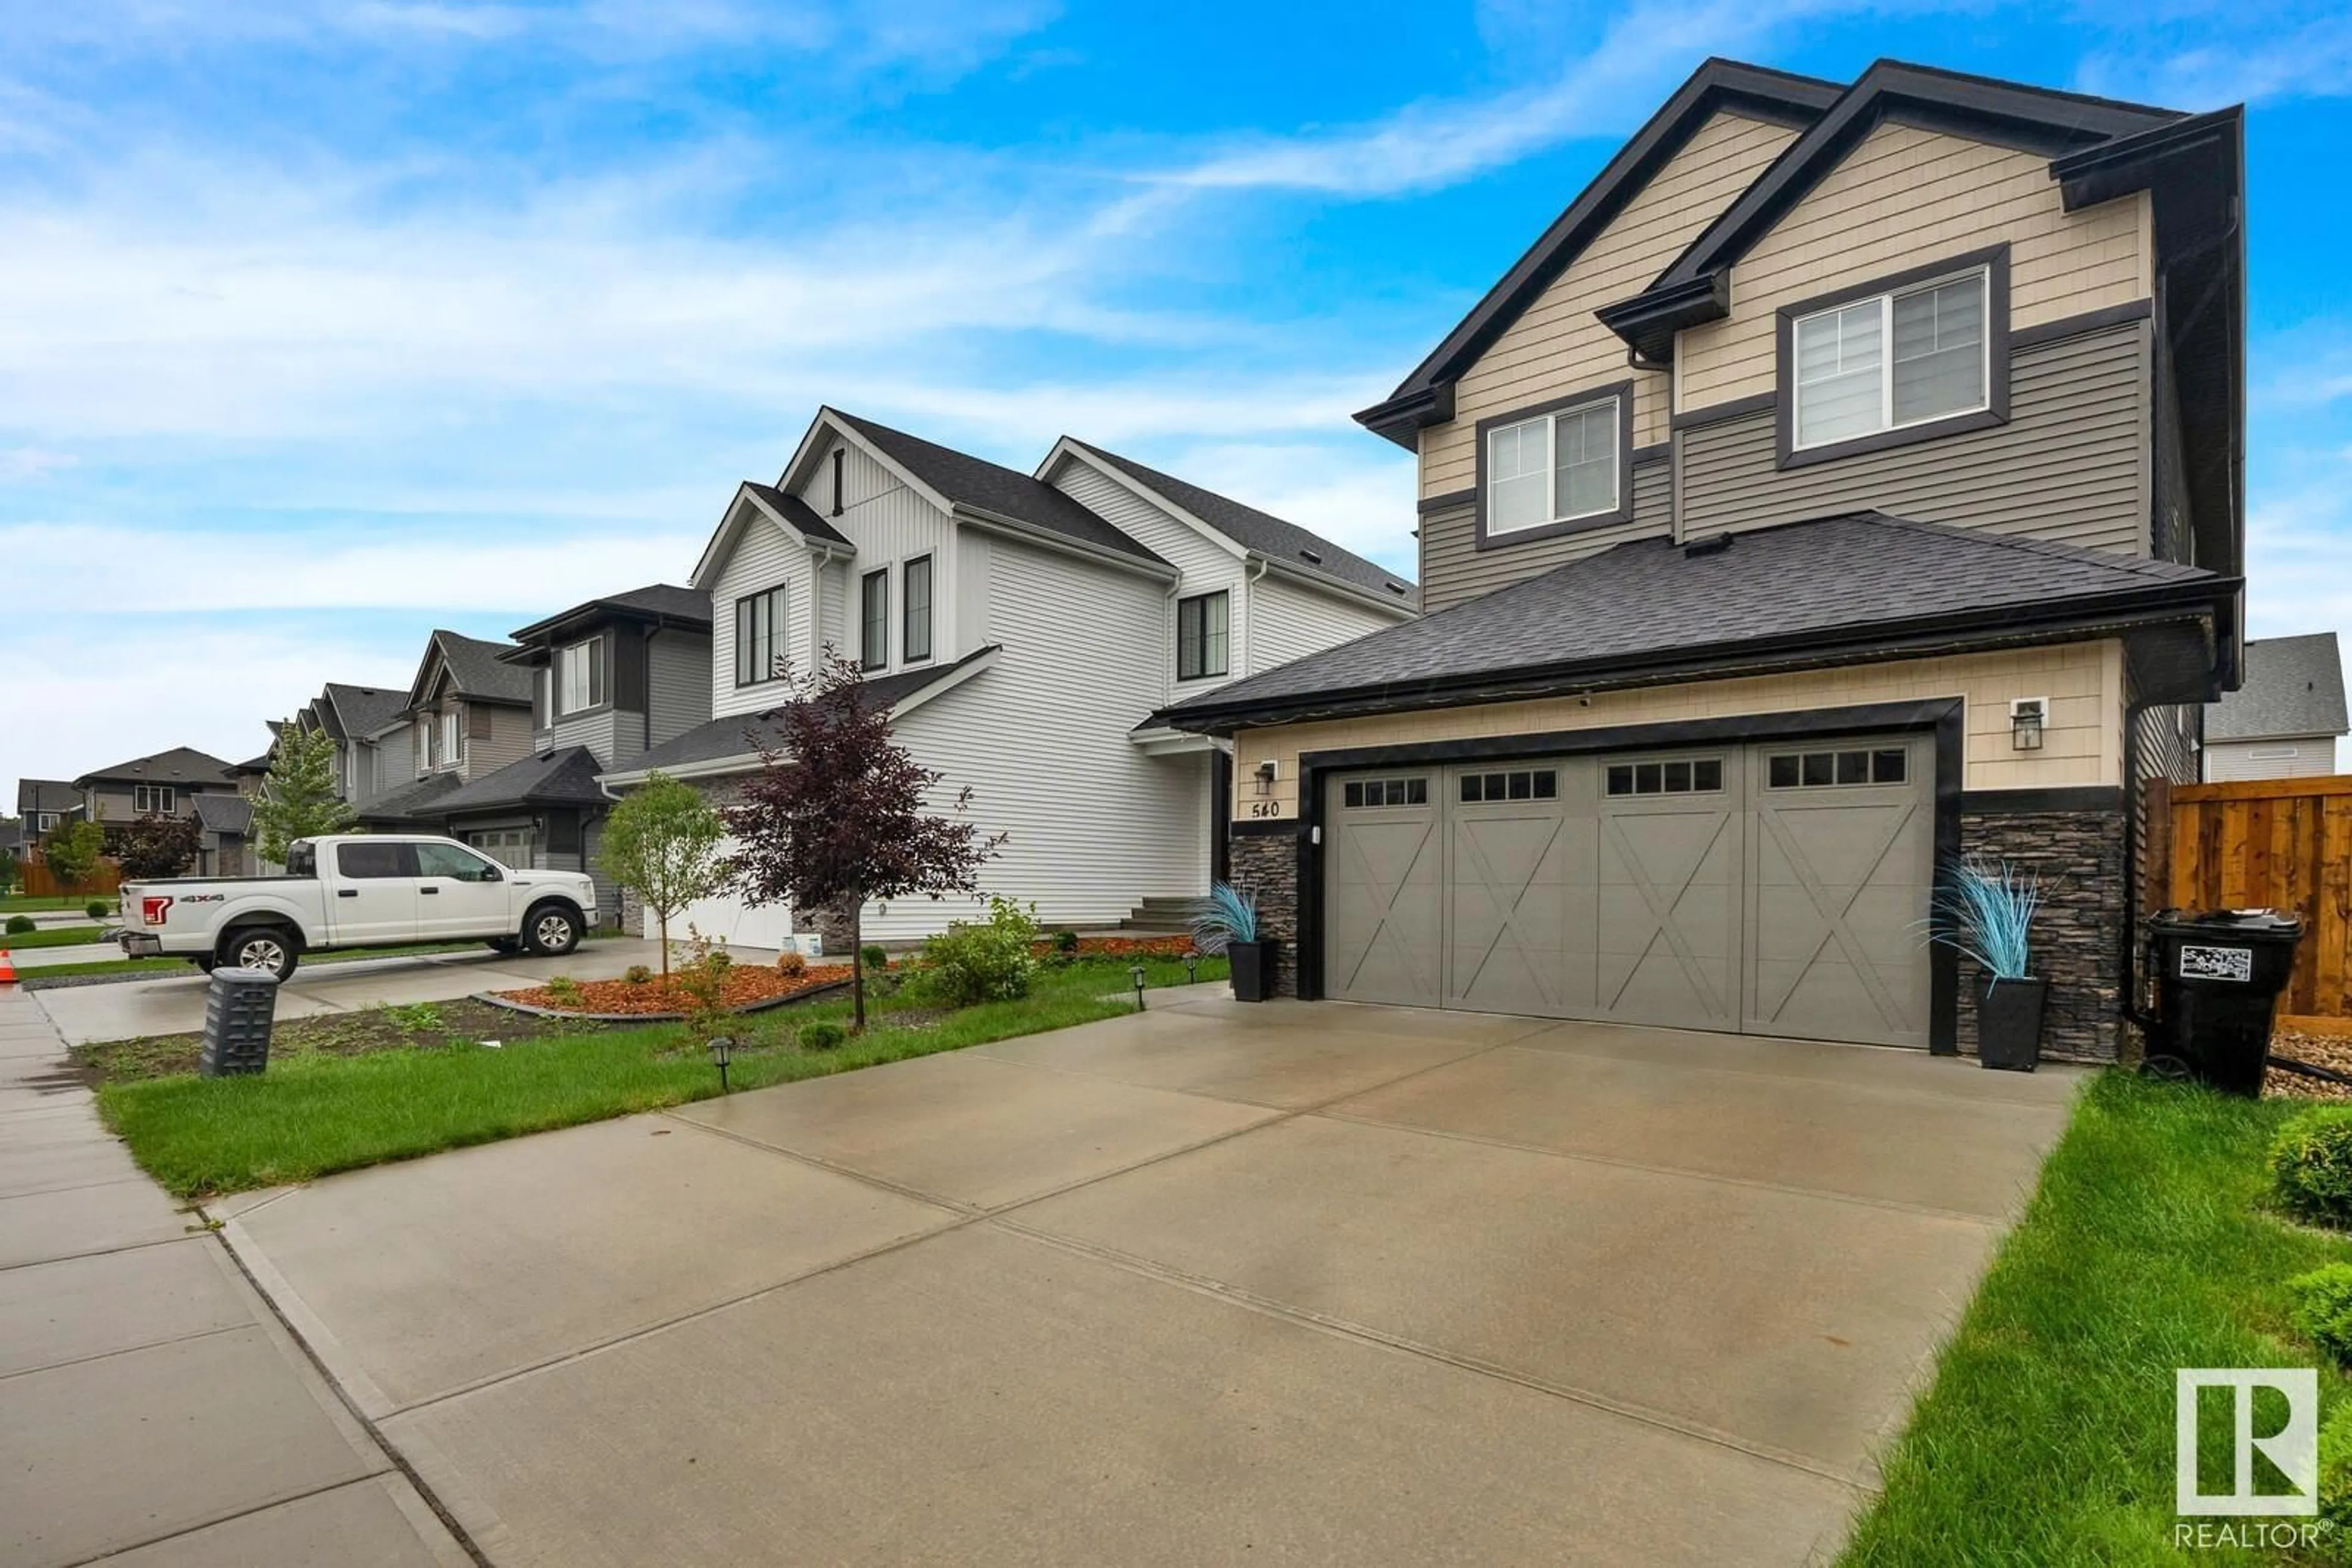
(424, 747)
(1893, 360)
(1553, 468)
(452, 748)
(915, 589)
(156, 799)
(580, 676)
(1203, 635)
(759, 637)
(874, 619)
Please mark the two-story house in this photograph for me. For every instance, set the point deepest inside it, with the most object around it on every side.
(467, 714)
(1848, 481)
(164, 784)
(608, 680)
(2285, 720)
(372, 734)
(42, 803)
(1020, 629)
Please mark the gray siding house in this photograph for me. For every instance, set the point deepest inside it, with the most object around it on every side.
(2284, 721)
(1848, 480)
(164, 784)
(466, 715)
(372, 734)
(607, 680)
(42, 803)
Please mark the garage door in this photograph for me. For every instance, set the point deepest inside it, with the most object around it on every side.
(1771, 889)
(730, 920)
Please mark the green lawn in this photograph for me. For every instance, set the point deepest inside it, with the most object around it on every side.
(2048, 1434)
(26, 903)
(312, 1114)
(50, 936)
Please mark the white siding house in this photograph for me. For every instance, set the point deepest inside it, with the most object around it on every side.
(1022, 628)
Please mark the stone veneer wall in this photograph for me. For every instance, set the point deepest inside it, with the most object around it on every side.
(2078, 937)
(1265, 865)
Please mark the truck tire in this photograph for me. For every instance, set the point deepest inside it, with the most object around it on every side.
(551, 930)
(274, 948)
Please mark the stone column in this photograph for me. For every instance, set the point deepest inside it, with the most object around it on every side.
(2079, 934)
(1266, 865)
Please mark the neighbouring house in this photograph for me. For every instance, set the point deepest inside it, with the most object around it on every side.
(1847, 482)
(373, 737)
(1020, 629)
(42, 803)
(2284, 721)
(467, 714)
(164, 784)
(607, 681)
(225, 844)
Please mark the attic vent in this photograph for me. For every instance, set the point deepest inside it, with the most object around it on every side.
(1713, 545)
(1397, 588)
(1310, 557)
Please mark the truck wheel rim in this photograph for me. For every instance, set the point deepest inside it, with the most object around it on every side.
(260, 953)
(554, 931)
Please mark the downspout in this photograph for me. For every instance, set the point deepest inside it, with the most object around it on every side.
(2135, 838)
(1249, 609)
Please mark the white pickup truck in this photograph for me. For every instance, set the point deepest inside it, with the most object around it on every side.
(358, 890)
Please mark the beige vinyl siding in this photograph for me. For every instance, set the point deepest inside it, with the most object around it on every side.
(2082, 743)
(892, 523)
(1558, 346)
(2070, 465)
(1903, 198)
(2313, 756)
(678, 682)
(1452, 568)
(509, 740)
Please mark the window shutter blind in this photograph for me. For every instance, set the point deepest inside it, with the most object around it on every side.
(477, 723)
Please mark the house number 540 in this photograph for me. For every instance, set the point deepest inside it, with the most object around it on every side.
(1266, 808)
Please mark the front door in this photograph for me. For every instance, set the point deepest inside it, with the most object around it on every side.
(461, 893)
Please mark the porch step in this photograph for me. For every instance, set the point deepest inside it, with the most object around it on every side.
(1160, 915)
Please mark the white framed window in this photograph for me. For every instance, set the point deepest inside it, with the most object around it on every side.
(158, 799)
(759, 637)
(452, 748)
(1553, 468)
(1902, 358)
(424, 747)
(914, 609)
(44, 821)
(580, 676)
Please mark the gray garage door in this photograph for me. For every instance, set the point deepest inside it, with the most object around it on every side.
(1771, 889)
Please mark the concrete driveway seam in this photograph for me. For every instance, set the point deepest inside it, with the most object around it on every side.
(1348, 1329)
(339, 1366)
(1862, 1200)
(93, 1252)
(118, 1350)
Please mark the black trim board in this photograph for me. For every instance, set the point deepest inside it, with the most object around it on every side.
(1265, 826)
(2074, 326)
(1623, 392)
(1994, 261)
(1450, 500)
(1730, 408)
(2089, 799)
(1946, 717)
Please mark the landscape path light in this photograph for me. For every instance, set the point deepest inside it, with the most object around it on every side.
(722, 1051)
(1138, 971)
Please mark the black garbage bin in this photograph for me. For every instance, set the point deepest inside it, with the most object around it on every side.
(2217, 979)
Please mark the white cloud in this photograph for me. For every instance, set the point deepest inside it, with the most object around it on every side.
(2249, 60)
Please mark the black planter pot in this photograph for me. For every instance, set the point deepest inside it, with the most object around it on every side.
(2009, 1025)
(1252, 970)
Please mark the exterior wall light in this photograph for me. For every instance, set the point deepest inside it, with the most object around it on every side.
(2026, 716)
(1265, 773)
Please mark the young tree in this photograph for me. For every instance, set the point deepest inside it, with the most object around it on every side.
(7, 870)
(298, 797)
(156, 846)
(662, 844)
(71, 852)
(835, 816)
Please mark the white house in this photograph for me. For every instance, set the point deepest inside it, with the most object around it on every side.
(1021, 627)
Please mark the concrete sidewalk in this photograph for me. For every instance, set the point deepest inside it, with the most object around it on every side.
(155, 1406)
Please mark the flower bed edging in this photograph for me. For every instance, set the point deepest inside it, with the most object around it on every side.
(766, 1005)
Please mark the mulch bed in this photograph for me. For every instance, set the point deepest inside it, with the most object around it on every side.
(1128, 946)
(428, 1026)
(2333, 1052)
(747, 985)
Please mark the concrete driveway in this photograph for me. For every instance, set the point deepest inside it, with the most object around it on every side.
(174, 1005)
(1213, 1283)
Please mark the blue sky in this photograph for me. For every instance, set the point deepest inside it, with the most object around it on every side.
(323, 323)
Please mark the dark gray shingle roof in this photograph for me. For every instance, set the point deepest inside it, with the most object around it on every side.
(180, 766)
(476, 672)
(225, 814)
(664, 600)
(989, 486)
(742, 734)
(1265, 532)
(45, 794)
(413, 804)
(565, 776)
(798, 512)
(2294, 686)
(1653, 600)
(365, 710)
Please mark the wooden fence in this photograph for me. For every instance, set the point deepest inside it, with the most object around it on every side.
(39, 884)
(2282, 844)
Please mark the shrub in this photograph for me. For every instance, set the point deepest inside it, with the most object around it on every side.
(820, 1037)
(790, 962)
(566, 992)
(875, 957)
(2335, 1480)
(417, 1018)
(701, 981)
(2323, 1310)
(19, 924)
(982, 960)
(1066, 942)
(97, 908)
(638, 975)
(2311, 1165)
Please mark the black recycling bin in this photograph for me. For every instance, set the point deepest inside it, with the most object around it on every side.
(2217, 979)
(238, 1013)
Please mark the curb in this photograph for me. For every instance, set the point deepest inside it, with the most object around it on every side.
(769, 1005)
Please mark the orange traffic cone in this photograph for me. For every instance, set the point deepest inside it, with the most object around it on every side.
(7, 971)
